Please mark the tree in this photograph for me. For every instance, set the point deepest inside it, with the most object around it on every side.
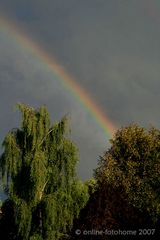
(127, 193)
(38, 171)
(133, 162)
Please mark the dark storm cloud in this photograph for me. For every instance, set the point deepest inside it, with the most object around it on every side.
(111, 47)
(24, 78)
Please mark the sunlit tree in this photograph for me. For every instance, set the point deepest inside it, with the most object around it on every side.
(127, 191)
(38, 170)
(133, 162)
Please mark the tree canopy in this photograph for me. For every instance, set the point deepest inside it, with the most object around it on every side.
(133, 162)
(127, 191)
(38, 171)
(47, 201)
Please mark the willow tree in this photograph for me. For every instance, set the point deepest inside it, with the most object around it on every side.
(38, 169)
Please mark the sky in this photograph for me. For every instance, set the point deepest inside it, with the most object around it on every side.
(110, 47)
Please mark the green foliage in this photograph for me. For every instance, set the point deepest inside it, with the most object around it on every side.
(38, 168)
(36, 237)
(125, 193)
(133, 163)
(91, 184)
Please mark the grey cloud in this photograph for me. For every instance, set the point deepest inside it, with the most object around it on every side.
(25, 79)
(112, 49)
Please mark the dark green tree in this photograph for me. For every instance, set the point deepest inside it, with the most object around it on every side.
(127, 191)
(133, 162)
(38, 170)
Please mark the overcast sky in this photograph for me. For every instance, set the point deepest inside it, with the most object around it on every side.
(111, 47)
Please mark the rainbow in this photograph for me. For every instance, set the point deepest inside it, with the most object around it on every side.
(66, 79)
